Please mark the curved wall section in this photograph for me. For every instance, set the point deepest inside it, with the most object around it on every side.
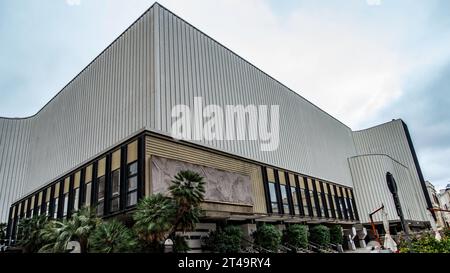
(390, 139)
(371, 190)
(14, 161)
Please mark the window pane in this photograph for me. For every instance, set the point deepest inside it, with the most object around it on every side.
(115, 187)
(295, 201)
(76, 199)
(101, 187)
(47, 207)
(55, 213)
(66, 204)
(284, 199)
(313, 203)
(88, 194)
(304, 202)
(100, 207)
(132, 169)
(132, 183)
(322, 212)
(273, 197)
(131, 199)
(115, 204)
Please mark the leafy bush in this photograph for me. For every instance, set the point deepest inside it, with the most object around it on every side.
(2, 231)
(296, 235)
(447, 232)
(180, 245)
(336, 236)
(268, 236)
(320, 235)
(426, 244)
(29, 233)
(226, 240)
(112, 237)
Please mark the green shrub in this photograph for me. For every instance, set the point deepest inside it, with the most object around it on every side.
(180, 245)
(226, 240)
(112, 237)
(336, 236)
(447, 232)
(426, 244)
(268, 237)
(320, 235)
(296, 235)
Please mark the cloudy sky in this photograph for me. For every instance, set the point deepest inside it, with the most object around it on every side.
(363, 61)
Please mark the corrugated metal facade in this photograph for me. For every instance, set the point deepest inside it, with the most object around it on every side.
(159, 62)
(371, 191)
(14, 157)
(192, 64)
(368, 171)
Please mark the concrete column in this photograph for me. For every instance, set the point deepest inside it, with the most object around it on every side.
(362, 234)
(281, 227)
(349, 235)
(247, 231)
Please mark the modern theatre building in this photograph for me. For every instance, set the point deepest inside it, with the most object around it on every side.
(105, 141)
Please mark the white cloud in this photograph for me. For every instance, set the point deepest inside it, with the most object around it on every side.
(73, 2)
(374, 2)
(328, 58)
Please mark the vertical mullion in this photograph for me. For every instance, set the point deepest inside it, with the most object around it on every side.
(60, 208)
(35, 207)
(43, 203)
(51, 209)
(71, 195)
(266, 189)
(94, 186)
(82, 193)
(108, 181)
(123, 177)
(141, 167)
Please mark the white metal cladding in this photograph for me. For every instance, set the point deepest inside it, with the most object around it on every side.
(191, 64)
(108, 101)
(161, 61)
(371, 191)
(389, 139)
(14, 156)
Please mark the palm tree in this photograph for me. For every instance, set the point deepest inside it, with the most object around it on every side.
(112, 237)
(54, 237)
(153, 216)
(29, 233)
(77, 228)
(187, 190)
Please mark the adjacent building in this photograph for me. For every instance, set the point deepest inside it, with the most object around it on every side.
(444, 200)
(105, 141)
(436, 205)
